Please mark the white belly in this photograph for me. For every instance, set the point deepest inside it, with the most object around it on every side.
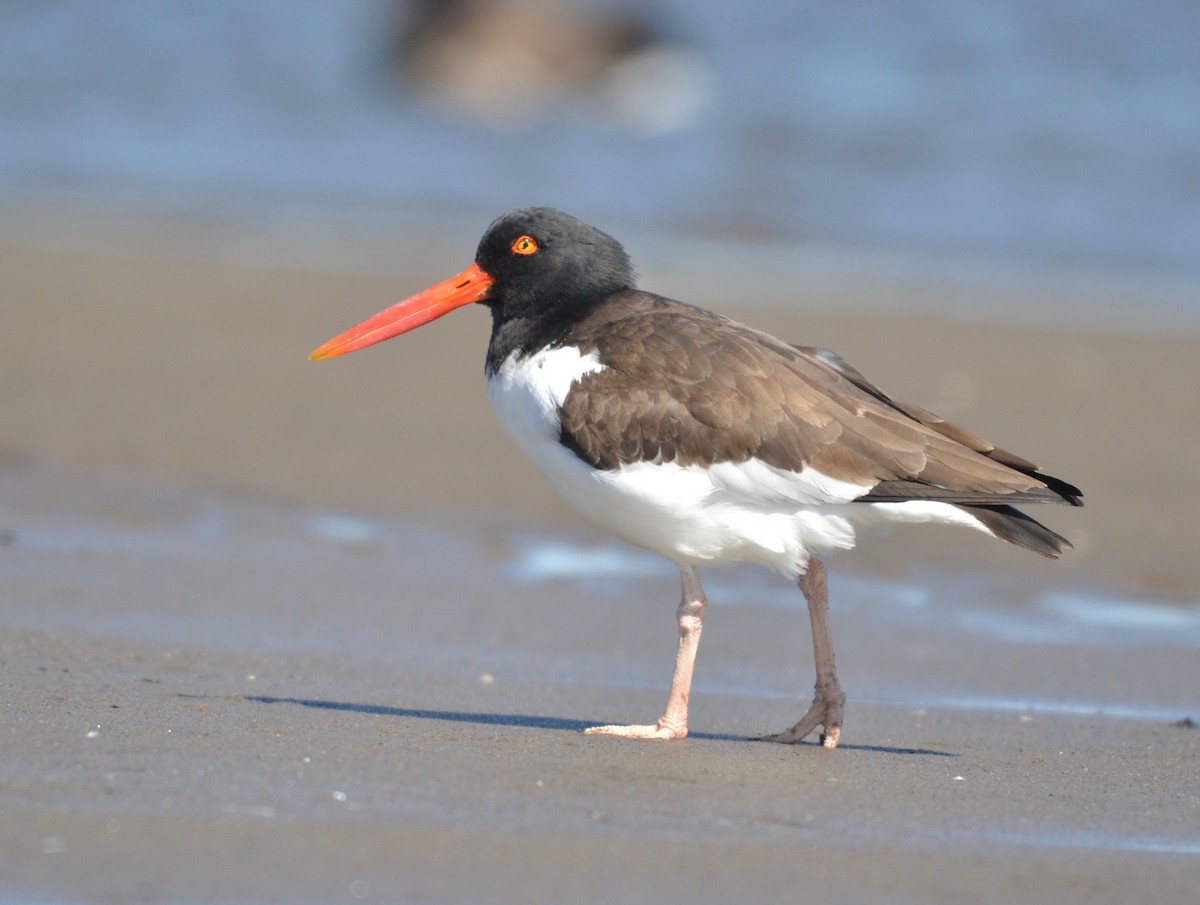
(750, 512)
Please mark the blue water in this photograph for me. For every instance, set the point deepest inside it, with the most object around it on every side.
(1055, 616)
(1035, 136)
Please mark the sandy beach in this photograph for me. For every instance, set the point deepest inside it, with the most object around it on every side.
(277, 631)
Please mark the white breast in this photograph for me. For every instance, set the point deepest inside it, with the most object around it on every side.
(526, 394)
(747, 512)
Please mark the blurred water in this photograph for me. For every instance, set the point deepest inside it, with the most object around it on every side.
(970, 604)
(1033, 134)
(214, 552)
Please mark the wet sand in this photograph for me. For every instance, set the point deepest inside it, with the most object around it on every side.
(286, 632)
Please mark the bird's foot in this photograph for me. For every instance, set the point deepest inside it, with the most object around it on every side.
(661, 730)
(826, 711)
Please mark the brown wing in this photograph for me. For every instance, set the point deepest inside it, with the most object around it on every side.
(687, 386)
(1064, 491)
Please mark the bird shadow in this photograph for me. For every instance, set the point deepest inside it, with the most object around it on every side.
(526, 721)
(455, 716)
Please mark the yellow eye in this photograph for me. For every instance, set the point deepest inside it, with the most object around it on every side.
(524, 245)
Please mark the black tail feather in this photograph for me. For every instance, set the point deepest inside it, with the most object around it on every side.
(1016, 527)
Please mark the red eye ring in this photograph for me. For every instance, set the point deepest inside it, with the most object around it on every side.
(524, 245)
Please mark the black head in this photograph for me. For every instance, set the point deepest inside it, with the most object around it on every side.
(546, 263)
(537, 269)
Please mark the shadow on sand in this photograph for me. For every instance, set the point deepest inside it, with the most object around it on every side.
(546, 722)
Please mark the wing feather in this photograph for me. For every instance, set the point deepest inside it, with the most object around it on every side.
(687, 386)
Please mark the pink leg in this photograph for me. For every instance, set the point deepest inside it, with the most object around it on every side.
(673, 723)
(826, 709)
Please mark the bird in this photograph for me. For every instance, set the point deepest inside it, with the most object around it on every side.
(705, 440)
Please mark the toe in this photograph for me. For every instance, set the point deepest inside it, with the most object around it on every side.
(658, 732)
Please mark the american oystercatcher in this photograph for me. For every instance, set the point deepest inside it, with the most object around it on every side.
(705, 440)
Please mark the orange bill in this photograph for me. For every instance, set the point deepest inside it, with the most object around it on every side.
(472, 285)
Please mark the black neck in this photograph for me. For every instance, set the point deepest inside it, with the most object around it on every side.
(525, 334)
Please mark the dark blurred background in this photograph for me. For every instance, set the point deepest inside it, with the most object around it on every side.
(1004, 138)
